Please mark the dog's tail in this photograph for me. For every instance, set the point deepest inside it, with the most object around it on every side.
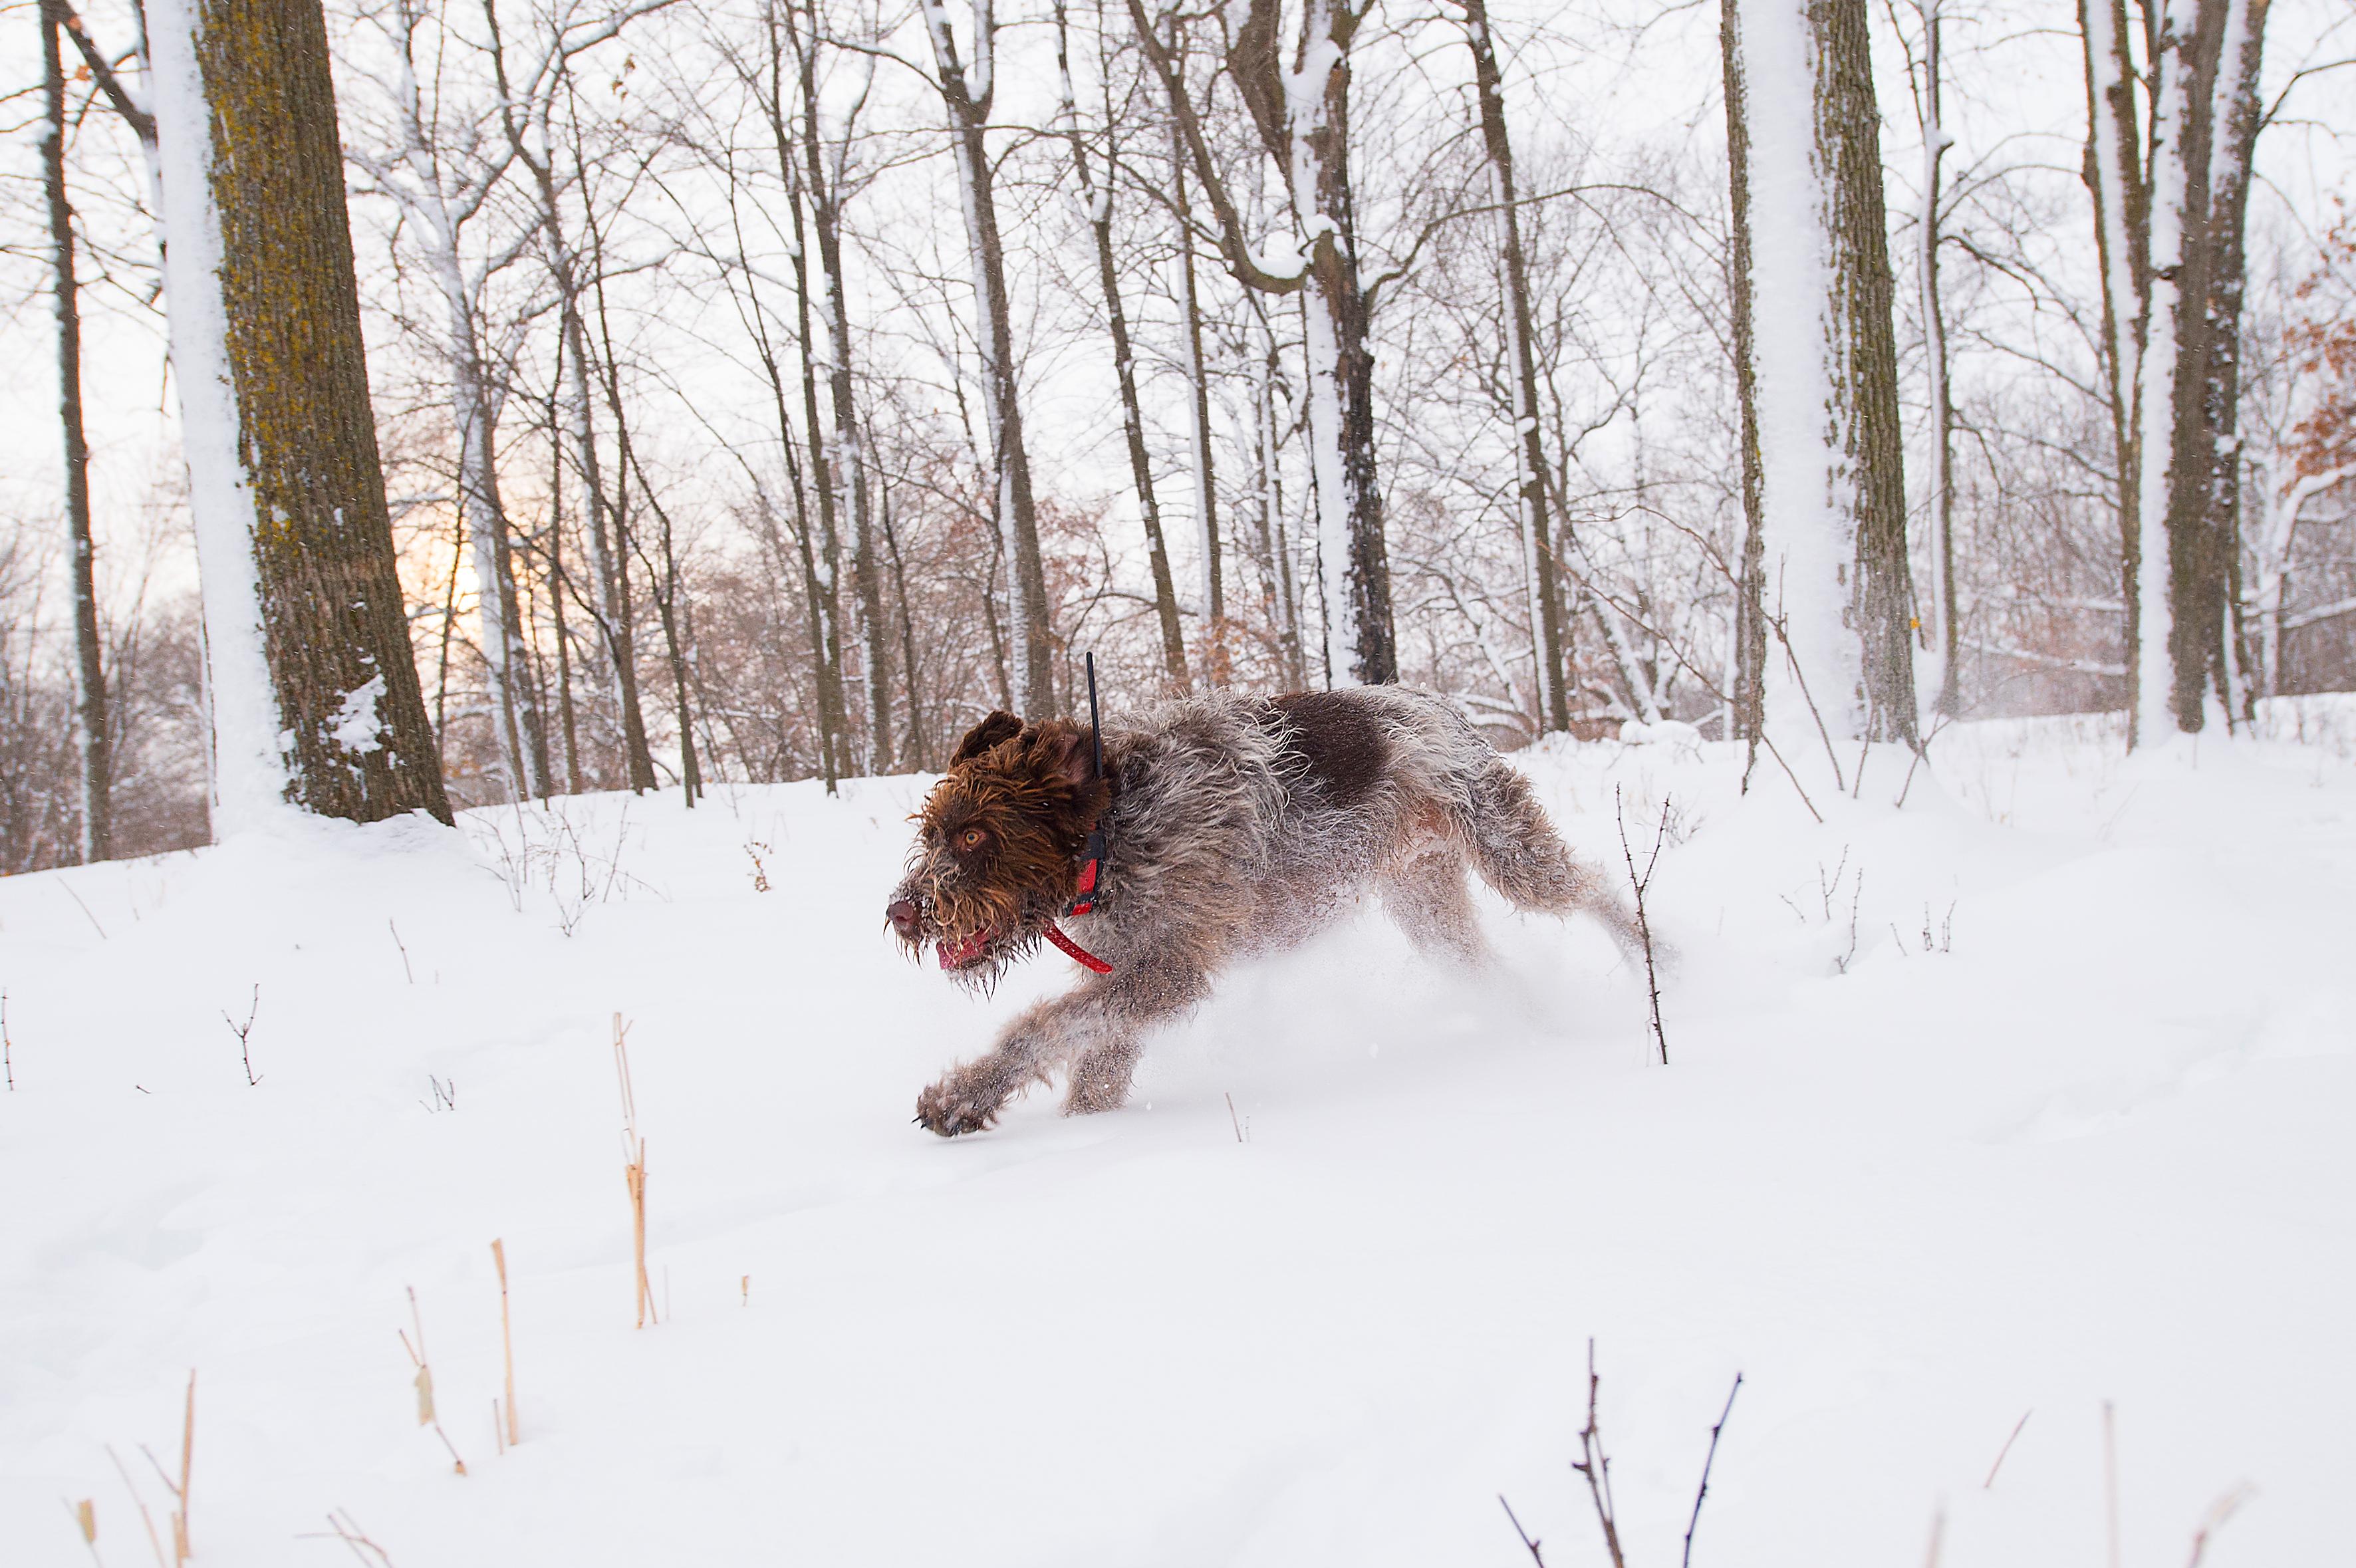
(1516, 851)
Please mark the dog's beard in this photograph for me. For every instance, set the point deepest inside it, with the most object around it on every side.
(976, 933)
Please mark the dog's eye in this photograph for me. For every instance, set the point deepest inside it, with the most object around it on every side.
(971, 839)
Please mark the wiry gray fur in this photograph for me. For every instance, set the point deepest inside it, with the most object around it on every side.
(1228, 838)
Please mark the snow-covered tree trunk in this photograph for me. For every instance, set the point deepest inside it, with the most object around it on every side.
(1361, 645)
(2171, 625)
(1946, 690)
(1548, 631)
(1838, 599)
(91, 733)
(966, 94)
(844, 471)
(1284, 593)
(1096, 206)
(1747, 663)
(315, 694)
(2236, 116)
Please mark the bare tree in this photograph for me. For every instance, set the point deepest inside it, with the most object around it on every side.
(90, 728)
(1301, 115)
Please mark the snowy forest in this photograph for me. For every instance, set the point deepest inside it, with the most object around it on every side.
(760, 394)
(1685, 671)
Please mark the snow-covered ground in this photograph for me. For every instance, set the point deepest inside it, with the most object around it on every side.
(2091, 1144)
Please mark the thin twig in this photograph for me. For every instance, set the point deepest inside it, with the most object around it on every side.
(1703, 1490)
(1595, 1465)
(1644, 921)
(85, 909)
(404, 950)
(2224, 1509)
(1535, 1555)
(244, 1049)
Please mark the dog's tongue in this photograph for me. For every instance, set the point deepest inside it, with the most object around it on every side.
(958, 954)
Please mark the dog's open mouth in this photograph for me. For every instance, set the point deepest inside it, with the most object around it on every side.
(964, 951)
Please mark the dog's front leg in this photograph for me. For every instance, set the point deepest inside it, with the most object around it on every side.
(1139, 997)
(968, 1098)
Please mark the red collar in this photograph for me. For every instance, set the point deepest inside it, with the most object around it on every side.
(1084, 901)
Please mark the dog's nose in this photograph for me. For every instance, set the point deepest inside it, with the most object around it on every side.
(902, 913)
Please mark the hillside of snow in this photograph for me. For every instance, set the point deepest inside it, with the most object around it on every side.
(2032, 1095)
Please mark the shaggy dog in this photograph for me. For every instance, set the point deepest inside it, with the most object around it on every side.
(1230, 826)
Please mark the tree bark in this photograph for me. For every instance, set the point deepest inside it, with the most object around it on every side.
(2178, 581)
(1865, 382)
(1746, 692)
(90, 728)
(2238, 114)
(316, 700)
(1547, 627)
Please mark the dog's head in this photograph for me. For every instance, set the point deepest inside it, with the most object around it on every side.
(998, 846)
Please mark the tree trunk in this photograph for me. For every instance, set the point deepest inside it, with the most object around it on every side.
(89, 674)
(315, 686)
(844, 468)
(1302, 113)
(823, 553)
(2179, 591)
(1746, 692)
(966, 96)
(1284, 592)
(1864, 365)
(2114, 176)
(2237, 116)
(1098, 205)
(1548, 629)
(1946, 634)
(557, 587)
(916, 758)
(1216, 664)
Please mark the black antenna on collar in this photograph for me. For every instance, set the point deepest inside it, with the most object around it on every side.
(1096, 730)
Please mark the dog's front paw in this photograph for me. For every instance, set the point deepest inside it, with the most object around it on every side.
(950, 1108)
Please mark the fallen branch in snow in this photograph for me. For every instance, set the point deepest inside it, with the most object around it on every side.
(1643, 922)
(244, 1046)
(1707, 1460)
(424, 1380)
(634, 1171)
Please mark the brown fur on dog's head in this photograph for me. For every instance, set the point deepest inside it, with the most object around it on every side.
(998, 844)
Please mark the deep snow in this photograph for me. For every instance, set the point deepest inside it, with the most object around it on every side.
(2098, 1151)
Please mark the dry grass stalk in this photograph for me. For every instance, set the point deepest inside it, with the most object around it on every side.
(85, 1517)
(346, 1531)
(747, 1286)
(425, 1381)
(634, 1172)
(506, 1344)
(2224, 1509)
(181, 1549)
(146, 1520)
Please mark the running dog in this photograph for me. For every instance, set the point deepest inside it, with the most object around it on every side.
(1214, 828)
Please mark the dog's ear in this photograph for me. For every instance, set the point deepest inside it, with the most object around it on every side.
(999, 727)
(1060, 751)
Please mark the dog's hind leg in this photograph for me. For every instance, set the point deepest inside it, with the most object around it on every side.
(1427, 898)
(1518, 852)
